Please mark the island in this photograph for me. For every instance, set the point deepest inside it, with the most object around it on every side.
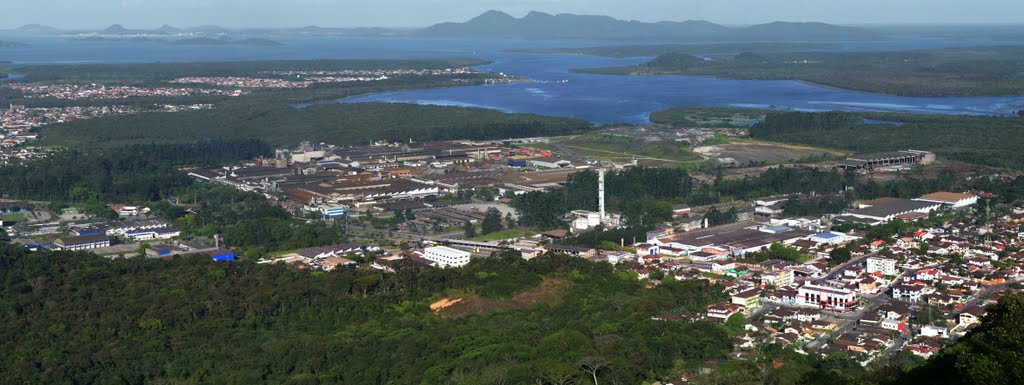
(952, 72)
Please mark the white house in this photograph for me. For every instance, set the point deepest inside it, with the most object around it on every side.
(934, 331)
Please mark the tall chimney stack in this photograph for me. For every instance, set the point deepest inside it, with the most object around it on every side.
(600, 193)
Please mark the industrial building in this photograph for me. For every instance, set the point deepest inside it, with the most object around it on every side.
(953, 200)
(884, 210)
(83, 242)
(443, 256)
(736, 238)
(892, 160)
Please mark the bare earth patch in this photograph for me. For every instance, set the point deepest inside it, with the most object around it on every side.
(549, 291)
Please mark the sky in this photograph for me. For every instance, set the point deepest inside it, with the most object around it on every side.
(421, 13)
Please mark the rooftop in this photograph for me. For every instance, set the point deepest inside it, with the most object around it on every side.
(943, 196)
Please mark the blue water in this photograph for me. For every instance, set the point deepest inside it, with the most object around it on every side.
(552, 89)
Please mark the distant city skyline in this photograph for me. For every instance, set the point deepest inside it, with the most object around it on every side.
(145, 14)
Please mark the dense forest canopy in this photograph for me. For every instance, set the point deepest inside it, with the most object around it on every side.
(136, 173)
(280, 124)
(77, 318)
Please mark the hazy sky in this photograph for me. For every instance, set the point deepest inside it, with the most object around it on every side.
(415, 13)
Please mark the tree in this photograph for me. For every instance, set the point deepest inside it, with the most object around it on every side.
(491, 222)
(510, 222)
(839, 256)
(592, 365)
(736, 322)
(469, 229)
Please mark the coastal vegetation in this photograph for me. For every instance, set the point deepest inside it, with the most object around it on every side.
(982, 140)
(978, 71)
(624, 51)
(282, 125)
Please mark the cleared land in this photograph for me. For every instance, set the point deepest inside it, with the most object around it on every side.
(623, 149)
(709, 116)
(761, 153)
(549, 291)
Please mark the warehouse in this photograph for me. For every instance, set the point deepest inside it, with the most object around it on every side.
(738, 238)
(954, 200)
(886, 160)
(884, 210)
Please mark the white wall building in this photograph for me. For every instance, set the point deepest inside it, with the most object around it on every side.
(446, 256)
(827, 298)
(886, 266)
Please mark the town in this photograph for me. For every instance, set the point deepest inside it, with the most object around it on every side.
(95, 91)
(883, 275)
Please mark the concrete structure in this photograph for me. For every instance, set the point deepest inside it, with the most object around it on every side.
(549, 162)
(886, 160)
(722, 311)
(884, 210)
(954, 200)
(583, 252)
(151, 234)
(749, 299)
(124, 229)
(910, 293)
(444, 256)
(827, 298)
(886, 266)
(83, 242)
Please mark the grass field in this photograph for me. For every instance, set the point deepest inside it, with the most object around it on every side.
(505, 234)
(15, 217)
(622, 149)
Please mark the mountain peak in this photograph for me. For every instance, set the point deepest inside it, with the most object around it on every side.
(115, 28)
(493, 15)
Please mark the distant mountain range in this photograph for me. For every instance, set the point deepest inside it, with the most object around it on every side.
(539, 25)
(535, 25)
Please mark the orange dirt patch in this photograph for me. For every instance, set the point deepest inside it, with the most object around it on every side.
(549, 291)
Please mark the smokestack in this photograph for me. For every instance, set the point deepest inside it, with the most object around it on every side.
(600, 193)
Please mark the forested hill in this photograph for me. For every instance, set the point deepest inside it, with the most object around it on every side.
(76, 318)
